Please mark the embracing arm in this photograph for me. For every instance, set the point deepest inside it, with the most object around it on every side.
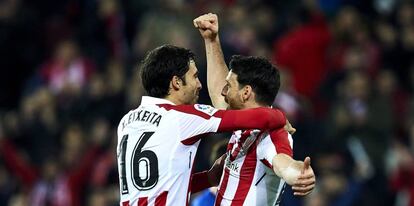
(208, 178)
(258, 118)
(298, 174)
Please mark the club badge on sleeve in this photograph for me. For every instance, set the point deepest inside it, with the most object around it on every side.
(207, 109)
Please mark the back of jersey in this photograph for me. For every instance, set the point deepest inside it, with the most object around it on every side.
(156, 151)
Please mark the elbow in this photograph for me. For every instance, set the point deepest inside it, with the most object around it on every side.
(278, 119)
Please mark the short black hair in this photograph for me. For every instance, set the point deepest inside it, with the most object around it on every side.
(160, 65)
(260, 74)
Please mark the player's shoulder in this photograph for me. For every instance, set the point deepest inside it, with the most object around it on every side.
(275, 135)
(200, 110)
(121, 124)
(126, 115)
(281, 136)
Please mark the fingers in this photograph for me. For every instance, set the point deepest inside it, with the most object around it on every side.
(206, 25)
(307, 162)
(310, 181)
(211, 18)
(200, 24)
(306, 175)
(292, 130)
(222, 159)
(301, 193)
(306, 165)
(303, 189)
(289, 128)
(195, 23)
(304, 184)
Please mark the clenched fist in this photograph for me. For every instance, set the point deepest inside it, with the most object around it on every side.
(208, 26)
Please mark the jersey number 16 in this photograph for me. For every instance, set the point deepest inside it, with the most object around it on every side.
(144, 164)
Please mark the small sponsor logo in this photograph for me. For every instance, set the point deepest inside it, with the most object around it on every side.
(207, 109)
(232, 166)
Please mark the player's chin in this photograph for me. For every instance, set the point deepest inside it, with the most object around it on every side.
(195, 99)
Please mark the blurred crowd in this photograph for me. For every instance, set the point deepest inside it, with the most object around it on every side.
(69, 71)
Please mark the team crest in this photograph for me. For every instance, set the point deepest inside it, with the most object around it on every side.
(207, 109)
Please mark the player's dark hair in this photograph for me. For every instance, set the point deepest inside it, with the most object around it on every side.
(260, 74)
(160, 65)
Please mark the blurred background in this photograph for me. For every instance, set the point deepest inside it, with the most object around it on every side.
(68, 73)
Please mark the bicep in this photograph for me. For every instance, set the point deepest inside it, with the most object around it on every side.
(276, 143)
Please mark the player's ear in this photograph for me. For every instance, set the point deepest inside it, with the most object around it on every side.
(175, 83)
(246, 93)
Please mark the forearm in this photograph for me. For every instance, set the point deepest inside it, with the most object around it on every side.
(200, 181)
(216, 72)
(287, 168)
(258, 118)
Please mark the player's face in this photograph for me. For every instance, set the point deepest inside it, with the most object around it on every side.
(192, 88)
(232, 92)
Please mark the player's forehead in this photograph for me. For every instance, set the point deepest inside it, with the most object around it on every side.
(192, 68)
(231, 77)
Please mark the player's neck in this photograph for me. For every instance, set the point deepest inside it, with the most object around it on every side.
(173, 99)
(253, 104)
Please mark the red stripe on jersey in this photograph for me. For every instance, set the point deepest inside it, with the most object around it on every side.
(246, 177)
(194, 139)
(280, 140)
(125, 203)
(143, 201)
(243, 138)
(223, 187)
(188, 109)
(265, 162)
(246, 134)
(161, 199)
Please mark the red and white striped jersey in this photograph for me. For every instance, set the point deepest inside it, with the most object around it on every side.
(157, 143)
(248, 177)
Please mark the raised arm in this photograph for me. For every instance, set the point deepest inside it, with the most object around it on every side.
(216, 66)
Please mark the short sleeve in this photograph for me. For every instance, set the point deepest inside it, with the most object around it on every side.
(277, 142)
(195, 121)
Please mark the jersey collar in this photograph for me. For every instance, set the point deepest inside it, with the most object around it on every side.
(147, 100)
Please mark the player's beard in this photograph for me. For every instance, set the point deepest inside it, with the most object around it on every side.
(193, 99)
(233, 104)
(196, 96)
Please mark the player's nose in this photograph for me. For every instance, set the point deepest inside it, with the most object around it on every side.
(199, 86)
